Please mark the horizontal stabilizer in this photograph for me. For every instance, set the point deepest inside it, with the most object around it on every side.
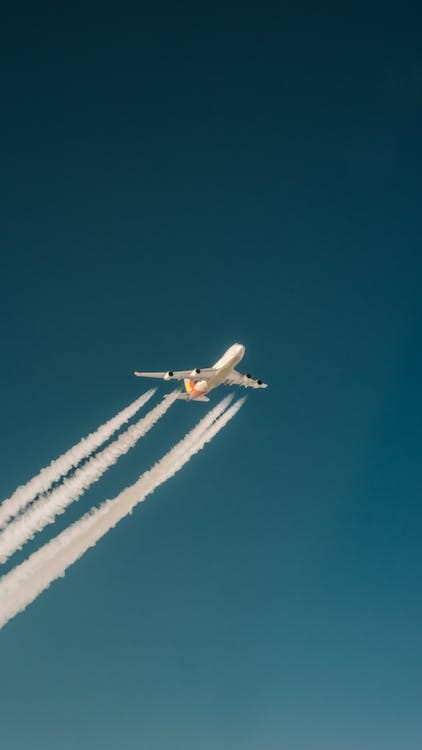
(188, 397)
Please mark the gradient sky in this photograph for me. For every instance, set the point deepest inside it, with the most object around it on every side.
(176, 178)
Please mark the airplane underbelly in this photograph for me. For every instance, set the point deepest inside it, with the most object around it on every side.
(218, 378)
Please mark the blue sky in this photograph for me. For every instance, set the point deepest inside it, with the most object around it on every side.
(176, 179)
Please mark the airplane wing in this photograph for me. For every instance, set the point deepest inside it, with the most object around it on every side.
(238, 378)
(196, 374)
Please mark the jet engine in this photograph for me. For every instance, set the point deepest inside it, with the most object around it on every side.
(195, 372)
(168, 375)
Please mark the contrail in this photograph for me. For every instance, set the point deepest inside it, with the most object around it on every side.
(25, 494)
(15, 577)
(23, 584)
(47, 507)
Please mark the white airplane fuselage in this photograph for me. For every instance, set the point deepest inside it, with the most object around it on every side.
(223, 366)
(200, 382)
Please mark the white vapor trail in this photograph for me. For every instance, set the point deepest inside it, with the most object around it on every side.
(21, 572)
(47, 507)
(26, 493)
(23, 584)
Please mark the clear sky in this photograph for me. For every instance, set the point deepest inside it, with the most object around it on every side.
(174, 178)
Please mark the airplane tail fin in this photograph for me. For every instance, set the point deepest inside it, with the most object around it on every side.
(194, 392)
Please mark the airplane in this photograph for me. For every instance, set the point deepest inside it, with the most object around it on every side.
(199, 382)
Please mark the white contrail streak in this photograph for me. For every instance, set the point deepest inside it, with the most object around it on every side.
(15, 577)
(47, 507)
(26, 493)
(23, 584)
